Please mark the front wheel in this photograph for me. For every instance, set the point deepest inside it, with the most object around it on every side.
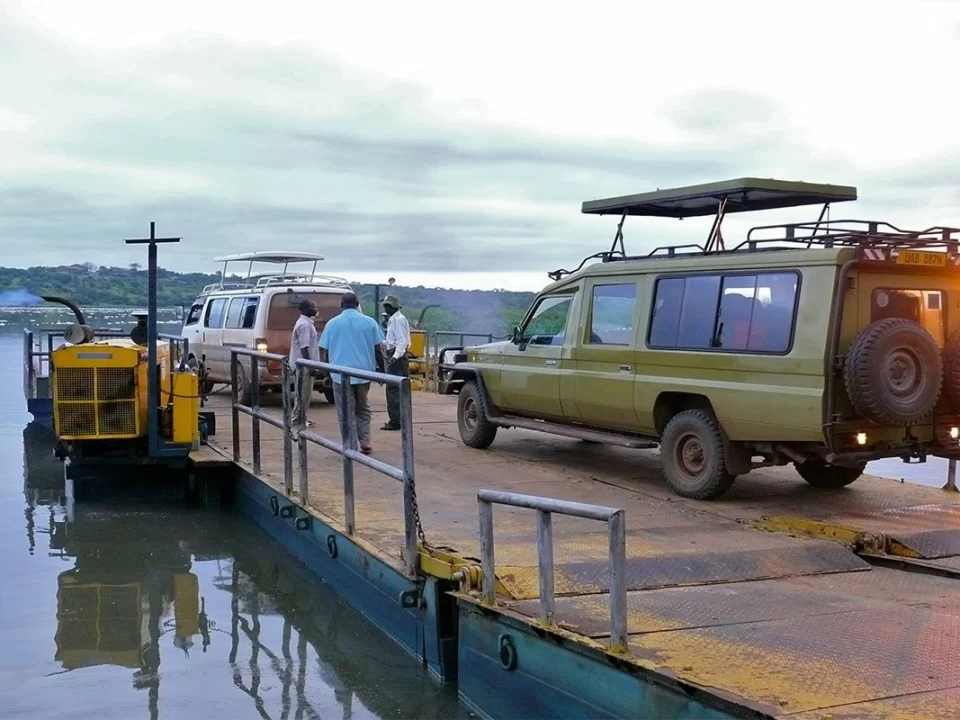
(476, 430)
(691, 450)
(821, 475)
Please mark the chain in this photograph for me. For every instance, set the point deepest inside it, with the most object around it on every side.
(416, 516)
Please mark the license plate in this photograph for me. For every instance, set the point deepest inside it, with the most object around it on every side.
(923, 259)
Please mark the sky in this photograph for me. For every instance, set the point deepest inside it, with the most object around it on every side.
(450, 144)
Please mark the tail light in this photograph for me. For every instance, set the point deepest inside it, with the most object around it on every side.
(260, 345)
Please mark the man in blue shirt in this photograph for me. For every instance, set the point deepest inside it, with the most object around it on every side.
(353, 340)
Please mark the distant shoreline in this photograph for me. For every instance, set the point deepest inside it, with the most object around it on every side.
(124, 289)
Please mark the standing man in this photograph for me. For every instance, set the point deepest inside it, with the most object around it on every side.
(353, 340)
(398, 340)
(303, 344)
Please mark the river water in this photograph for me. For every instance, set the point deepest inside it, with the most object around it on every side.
(159, 612)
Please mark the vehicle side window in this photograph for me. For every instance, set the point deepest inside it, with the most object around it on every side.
(249, 317)
(611, 314)
(548, 322)
(698, 311)
(747, 313)
(215, 313)
(242, 313)
(233, 313)
(193, 317)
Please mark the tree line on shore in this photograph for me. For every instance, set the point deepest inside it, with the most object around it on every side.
(473, 311)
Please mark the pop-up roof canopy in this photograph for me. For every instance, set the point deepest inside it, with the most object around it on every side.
(269, 256)
(741, 195)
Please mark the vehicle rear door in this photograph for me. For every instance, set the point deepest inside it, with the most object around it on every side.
(604, 354)
(530, 377)
(284, 313)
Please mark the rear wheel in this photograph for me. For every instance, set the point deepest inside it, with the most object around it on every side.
(244, 391)
(329, 396)
(475, 430)
(894, 372)
(822, 475)
(951, 370)
(691, 450)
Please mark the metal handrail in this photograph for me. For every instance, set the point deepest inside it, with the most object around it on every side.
(546, 507)
(347, 448)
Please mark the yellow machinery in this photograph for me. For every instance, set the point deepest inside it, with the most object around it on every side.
(418, 363)
(100, 393)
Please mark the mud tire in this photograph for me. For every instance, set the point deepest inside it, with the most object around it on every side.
(951, 371)
(244, 390)
(894, 372)
(476, 430)
(829, 477)
(692, 456)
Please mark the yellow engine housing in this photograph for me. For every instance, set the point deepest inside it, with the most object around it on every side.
(100, 389)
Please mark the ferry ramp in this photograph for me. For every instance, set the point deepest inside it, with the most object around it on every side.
(758, 598)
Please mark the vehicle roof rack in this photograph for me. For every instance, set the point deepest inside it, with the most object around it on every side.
(878, 240)
(264, 280)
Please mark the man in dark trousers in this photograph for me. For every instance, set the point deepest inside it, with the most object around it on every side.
(398, 340)
(353, 340)
(303, 344)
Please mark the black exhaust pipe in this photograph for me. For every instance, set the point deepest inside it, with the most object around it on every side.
(63, 301)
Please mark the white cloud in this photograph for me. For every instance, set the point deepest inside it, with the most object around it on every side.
(463, 134)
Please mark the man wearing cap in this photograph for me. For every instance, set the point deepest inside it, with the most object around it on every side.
(398, 340)
(353, 340)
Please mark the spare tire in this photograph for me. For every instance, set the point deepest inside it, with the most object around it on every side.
(894, 372)
(951, 370)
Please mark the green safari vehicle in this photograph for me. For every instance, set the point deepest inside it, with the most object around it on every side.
(824, 344)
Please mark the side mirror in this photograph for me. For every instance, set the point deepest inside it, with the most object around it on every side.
(517, 335)
(178, 312)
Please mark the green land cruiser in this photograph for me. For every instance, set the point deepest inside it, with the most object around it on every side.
(824, 344)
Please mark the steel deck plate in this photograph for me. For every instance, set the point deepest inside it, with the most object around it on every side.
(819, 662)
(823, 642)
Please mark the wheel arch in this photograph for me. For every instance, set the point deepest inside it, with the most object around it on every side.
(737, 458)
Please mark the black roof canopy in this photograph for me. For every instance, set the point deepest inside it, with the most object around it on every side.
(742, 195)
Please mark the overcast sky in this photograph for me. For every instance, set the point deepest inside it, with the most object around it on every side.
(453, 144)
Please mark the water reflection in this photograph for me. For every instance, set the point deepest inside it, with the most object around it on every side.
(207, 614)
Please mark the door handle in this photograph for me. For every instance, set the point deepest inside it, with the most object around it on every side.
(551, 362)
(625, 367)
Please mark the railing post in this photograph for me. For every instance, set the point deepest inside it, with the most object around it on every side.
(486, 552)
(285, 377)
(618, 581)
(255, 404)
(29, 387)
(303, 376)
(545, 565)
(951, 485)
(409, 509)
(234, 413)
(348, 439)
